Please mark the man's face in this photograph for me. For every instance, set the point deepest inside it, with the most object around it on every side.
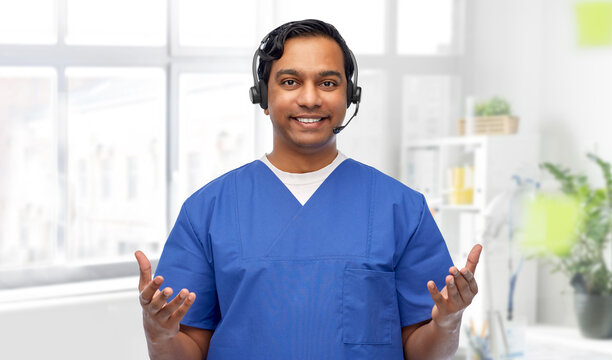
(307, 94)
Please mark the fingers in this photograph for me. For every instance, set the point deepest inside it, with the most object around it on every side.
(458, 293)
(173, 305)
(179, 314)
(465, 284)
(169, 314)
(469, 277)
(453, 293)
(146, 294)
(473, 258)
(173, 312)
(159, 300)
(145, 269)
(435, 294)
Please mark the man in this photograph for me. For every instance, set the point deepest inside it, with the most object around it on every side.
(305, 254)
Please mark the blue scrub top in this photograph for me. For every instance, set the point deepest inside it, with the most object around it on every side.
(336, 278)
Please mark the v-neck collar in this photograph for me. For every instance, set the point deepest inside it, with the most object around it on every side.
(334, 222)
(287, 190)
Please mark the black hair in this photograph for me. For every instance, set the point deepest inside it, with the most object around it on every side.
(273, 45)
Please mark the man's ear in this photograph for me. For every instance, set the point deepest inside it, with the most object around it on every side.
(266, 111)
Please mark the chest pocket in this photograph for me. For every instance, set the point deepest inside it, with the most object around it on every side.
(369, 306)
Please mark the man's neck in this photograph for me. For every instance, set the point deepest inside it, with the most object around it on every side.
(302, 163)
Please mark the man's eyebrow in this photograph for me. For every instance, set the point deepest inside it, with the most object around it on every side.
(293, 72)
(331, 73)
(282, 72)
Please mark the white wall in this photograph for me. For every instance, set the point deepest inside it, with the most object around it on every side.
(503, 55)
(526, 51)
(576, 114)
(576, 117)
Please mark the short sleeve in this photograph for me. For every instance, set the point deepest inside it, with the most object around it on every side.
(424, 258)
(186, 262)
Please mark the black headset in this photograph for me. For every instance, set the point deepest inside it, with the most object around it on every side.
(259, 91)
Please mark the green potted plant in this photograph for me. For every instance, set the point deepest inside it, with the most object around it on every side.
(584, 259)
(492, 107)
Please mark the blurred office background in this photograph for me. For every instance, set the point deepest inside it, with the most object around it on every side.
(113, 112)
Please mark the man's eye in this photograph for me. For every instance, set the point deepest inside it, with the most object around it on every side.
(328, 83)
(289, 82)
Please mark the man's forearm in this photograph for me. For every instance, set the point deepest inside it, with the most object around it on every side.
(432, 342)
(179, 348)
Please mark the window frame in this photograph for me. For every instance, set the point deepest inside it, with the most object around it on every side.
(175, 60)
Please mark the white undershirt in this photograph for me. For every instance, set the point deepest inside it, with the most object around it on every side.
(302, 186)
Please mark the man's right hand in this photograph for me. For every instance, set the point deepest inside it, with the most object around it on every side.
(161, 318)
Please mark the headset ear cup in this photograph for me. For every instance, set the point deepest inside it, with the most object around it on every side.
(254, 95)
(263, 95)
(349, 93)
(357, 95)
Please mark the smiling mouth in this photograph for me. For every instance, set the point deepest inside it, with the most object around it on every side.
(309, 120)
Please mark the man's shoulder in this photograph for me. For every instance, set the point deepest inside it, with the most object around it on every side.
(384, 181)
(223, 183)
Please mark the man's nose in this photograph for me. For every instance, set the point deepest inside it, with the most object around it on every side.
(309, 96)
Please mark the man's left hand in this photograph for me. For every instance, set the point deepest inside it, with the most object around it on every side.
(458, 293)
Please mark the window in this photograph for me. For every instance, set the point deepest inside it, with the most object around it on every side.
(361, 38)
(426, 27)
(430, 105)
(200, 27)
(371, 125)
(20, 25)
(113, 112)
(116, 151)
(28, 164)
(116, 22)
(216, 132)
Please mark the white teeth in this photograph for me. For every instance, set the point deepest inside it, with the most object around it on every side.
(308, 120)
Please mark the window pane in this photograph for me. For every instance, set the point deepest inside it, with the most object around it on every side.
(28, 164)
(371, 125)
(343, 14)
(216, 129)
(218, 24)
(425, 27)
(430, 105)
(116, 161)
(28, 21)
(116, 22)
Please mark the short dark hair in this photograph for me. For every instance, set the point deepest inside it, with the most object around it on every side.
(274, 44)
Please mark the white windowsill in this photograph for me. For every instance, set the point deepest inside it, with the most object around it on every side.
(560, 343)
(62, 294)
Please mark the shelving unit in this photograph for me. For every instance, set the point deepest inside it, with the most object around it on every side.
(495, 160)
